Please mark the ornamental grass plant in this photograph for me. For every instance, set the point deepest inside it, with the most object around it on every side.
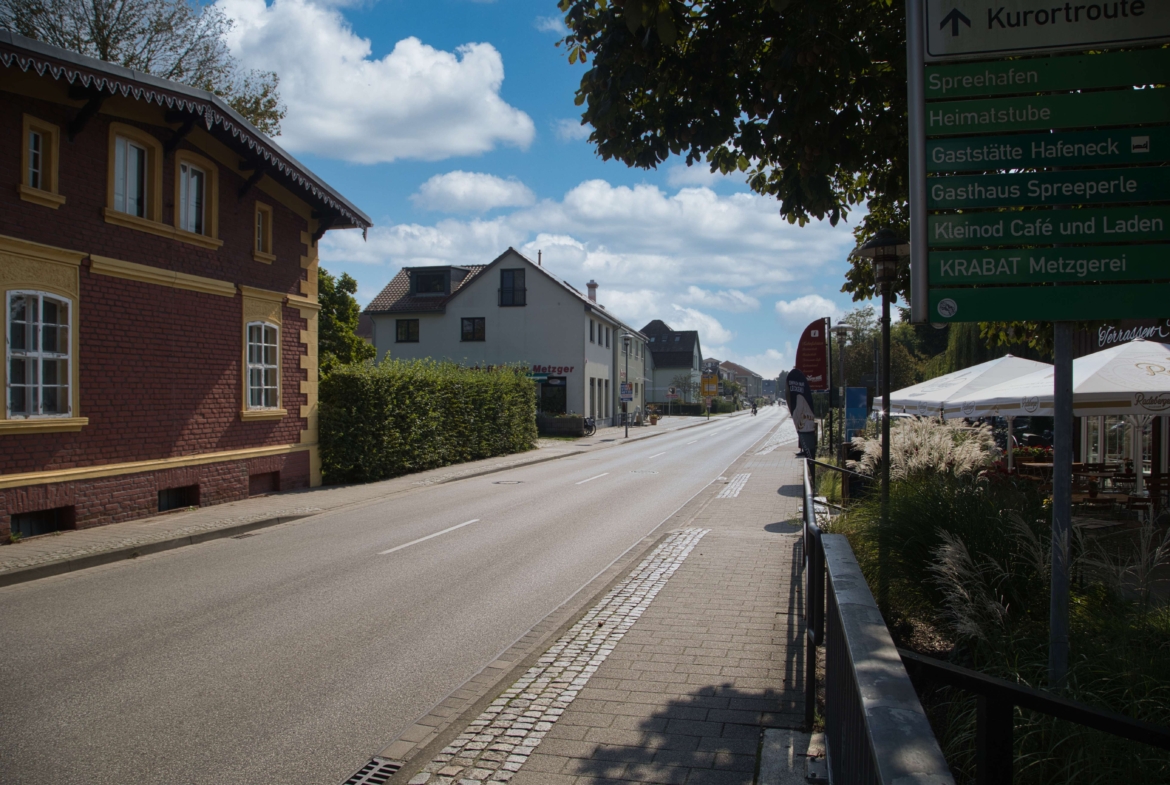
(400, 416)
(968, 557)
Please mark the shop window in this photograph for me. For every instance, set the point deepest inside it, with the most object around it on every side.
(38, 181)
(39, 357)
(178, 498)
(262, 251)
(472, 329)
(263, 372)
(407, 331)
(512, 291)
(30, 524)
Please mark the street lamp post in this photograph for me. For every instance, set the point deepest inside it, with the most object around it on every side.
(842, 332)
(884, 248)
(626, 340)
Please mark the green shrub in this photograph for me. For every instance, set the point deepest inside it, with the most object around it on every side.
(380, 421)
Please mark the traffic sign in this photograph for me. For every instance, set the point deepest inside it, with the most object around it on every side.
(670, 393)
(627, 392)
(1037, 112)
(1049, 265)
(991, 28)
(1037, 75)
(1048, 303)
(1075, 148)
(1043, 227)
(1084, 186)
(710, 385)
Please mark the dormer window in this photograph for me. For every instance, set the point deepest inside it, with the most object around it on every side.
(430, 282)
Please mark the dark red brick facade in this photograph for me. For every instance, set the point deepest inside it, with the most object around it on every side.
(160, 367)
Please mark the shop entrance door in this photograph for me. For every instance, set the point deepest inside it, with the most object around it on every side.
(554, 395)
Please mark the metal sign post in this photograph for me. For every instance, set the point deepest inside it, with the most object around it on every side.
(1007, 154)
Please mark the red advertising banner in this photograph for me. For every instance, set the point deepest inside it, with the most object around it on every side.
(812, 354)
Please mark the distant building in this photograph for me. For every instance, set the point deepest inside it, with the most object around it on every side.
(514, 310)
(676, 353)
(158, 269)
(712, 365)
(752, 382)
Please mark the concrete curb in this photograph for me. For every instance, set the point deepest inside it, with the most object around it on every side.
(62, 566)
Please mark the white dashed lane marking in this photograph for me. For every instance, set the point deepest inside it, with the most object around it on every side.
(591, 479)
(656, 455)
(429, 536)
(498, 742)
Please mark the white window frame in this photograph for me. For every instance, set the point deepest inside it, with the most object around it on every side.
(192, 198)
(253, 365)
(36, 159)
(38, 357)
(122, 148)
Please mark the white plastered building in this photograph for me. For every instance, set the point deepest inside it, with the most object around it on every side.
(510, 311)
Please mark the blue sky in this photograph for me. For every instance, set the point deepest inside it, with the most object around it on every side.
(451, 123)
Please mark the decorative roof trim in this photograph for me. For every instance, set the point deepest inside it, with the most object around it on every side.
(213, 111)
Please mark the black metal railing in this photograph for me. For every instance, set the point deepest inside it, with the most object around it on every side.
(851, 481)
(875, 729)
(996, 700)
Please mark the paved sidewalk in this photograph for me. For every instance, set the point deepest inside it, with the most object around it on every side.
(61, 552)
(675, 674)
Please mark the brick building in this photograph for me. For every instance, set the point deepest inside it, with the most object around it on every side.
(158, 268)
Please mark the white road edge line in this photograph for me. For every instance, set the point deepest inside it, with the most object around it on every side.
(429, 536)
(656, 455)
(591, 479)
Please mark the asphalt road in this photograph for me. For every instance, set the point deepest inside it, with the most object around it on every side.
(293, 655)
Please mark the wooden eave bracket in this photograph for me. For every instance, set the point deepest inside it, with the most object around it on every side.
(180, 134)
(325, 224)
(93, 99)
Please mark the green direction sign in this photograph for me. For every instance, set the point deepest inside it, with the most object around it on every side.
(1049, 303)
(1046, 227)
(972, 28)
(1086, 186)
(1041, 75)
(1074, 148)
(1050, 265)
(1042, 112)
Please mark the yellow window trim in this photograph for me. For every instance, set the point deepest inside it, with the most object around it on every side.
(266, 255)
(43, 425)
(116, 268)
(47, 197)
(249, 415)
(298, 301)
(210, 196)
(154, 157)
(263, 294)
(116, 469)
(117, 218)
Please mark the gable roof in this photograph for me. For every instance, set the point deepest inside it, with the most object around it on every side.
(396, 298)
(672, 348)
(212, 113)
(738, 369)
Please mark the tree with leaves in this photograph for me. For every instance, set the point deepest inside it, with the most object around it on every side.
(807, 98)
(171, 39)
(337, 340)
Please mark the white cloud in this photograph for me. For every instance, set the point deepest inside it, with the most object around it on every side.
(551, 24)
(471, 192)
(797, 313)
(727, 300)
(415, 102)
(699, 174)
(710, 330)
(571, 130)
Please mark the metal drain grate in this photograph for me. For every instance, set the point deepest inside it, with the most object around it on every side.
(376, 772)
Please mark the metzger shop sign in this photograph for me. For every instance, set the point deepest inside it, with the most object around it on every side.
(1032, 176)
(975, 28)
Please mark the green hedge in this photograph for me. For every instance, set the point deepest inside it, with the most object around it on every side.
(385, 420)
(693, 409)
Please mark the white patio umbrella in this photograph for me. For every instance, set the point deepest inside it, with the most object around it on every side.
(1131, 379)
(930, 398)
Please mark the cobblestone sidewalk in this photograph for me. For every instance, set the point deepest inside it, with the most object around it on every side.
(673, 685)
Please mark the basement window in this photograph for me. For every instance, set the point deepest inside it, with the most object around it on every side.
(178, 498)
(30, 524)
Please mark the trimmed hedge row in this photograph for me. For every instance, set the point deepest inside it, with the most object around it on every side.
(380, 421)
